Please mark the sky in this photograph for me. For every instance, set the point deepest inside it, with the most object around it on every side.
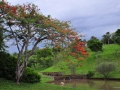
(89, 17)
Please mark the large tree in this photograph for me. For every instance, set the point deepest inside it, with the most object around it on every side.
(104, 39)
(26, 26)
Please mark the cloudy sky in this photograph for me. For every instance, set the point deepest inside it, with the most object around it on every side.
(91, 17)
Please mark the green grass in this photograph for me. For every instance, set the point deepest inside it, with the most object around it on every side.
(9, 85)
(110, 52)
(88, 64)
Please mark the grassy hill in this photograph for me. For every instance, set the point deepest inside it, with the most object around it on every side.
(110, 53)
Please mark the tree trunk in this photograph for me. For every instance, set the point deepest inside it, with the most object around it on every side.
(17, 78)
(108, 41)
(20, 71)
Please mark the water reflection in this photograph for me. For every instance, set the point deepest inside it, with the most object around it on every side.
(106, 86)
(93, 84)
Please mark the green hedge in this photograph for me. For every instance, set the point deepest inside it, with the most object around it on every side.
(7, 66)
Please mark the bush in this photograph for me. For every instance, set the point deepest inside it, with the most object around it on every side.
(44, 57)
(90, 74)
(95, 45)
(30, 76)
(105, 68)
(7, 66)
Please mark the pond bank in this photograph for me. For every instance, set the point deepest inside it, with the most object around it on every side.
(59, 76)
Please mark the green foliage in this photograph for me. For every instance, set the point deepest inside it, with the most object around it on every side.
(56, 50)
(30, 76)
(67, 64)
(90, 74)
(46, 62)
(117, 34)
(105, 68)
(72, 68)
(32, 61)
(44, 52)
(15, 54)
(44, 57)
(95, 45)
(8, 68)
(7, 65)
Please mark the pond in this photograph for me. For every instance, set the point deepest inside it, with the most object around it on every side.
(91, 84)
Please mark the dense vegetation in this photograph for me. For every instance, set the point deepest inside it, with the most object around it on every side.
(8, 66)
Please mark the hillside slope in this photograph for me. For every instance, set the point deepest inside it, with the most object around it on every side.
(110, 53)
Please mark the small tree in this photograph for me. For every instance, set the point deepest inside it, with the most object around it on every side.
(105, 68)
(95, 45)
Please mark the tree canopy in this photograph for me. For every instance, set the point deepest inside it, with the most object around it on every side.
(117, 34)
(95, 45)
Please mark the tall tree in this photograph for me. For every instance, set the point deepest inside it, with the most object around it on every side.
(26, 26)
(113, 38)
(93, 38)
(117, 34)
(104, 39)
(108, 35)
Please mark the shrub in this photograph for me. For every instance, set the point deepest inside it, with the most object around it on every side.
(7, 66)
(90, 74)
(44, 57)
(95, 45)
(30, 76)
(105, 68)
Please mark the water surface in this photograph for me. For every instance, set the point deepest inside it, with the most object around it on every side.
(91, 84)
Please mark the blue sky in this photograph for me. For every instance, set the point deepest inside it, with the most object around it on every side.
(91, 17)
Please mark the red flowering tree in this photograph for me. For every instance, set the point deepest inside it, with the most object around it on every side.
(78, 51)
(70, 58)
(26, 26)
(78, 47)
